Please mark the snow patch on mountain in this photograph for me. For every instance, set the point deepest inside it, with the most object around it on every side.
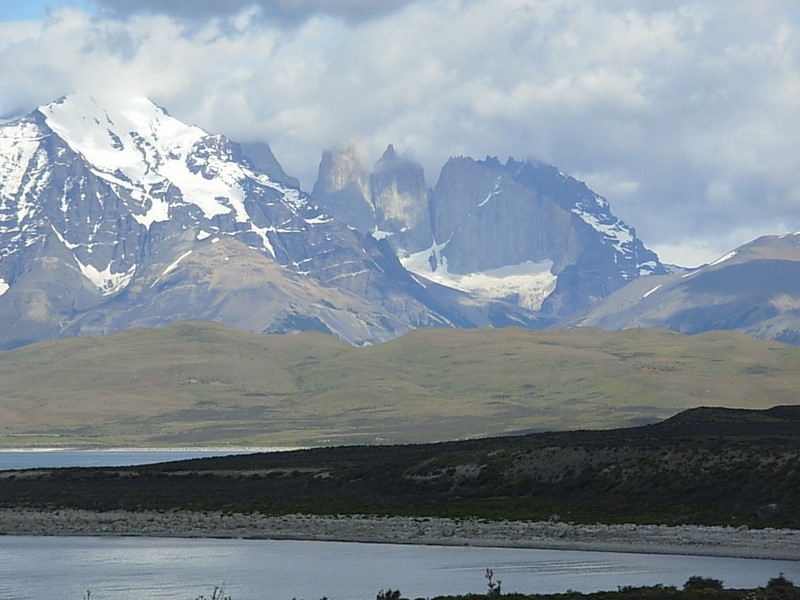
(527, 283)
(4, 287)
(429, 262)
(652, 291)
(614, 230)
(722, 259)
(208, 194)
(495, 191)
(105, 281)
(648, 267)
(172, 267)
(69, 245)
(17, 147)
(135, 142)
(157, 213)
(262, 233)
(141, 147)
(319, 220)
(380, 235)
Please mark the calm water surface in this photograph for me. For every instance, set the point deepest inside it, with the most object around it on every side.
(135, 568)
(105, 458)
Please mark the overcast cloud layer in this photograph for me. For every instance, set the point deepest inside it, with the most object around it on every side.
(683, 114)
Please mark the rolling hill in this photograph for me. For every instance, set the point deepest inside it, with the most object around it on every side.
(200, 383)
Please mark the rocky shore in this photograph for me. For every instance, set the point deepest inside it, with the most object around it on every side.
(661, 539)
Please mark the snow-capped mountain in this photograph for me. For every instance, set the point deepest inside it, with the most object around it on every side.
(520, 231)
(754, 289)
(116, 215)
(109, 217)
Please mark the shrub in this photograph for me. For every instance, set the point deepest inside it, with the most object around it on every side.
(695, 582)
(779, 582)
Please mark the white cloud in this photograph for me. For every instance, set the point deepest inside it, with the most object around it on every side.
(693, 251)
(682, 114)
(14, 32)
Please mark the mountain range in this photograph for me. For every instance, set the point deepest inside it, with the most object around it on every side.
(521, 231)
(117, 215)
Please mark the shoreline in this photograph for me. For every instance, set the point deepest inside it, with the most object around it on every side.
(779, 544)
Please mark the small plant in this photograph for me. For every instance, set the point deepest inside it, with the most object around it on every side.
(494, 586)
(695, 582)
(217, 594)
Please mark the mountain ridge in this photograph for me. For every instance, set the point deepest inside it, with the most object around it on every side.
(98, 205)
(559, 241)
(752, 289)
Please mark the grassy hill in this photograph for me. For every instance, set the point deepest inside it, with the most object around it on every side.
(200, 383)
(708, 466)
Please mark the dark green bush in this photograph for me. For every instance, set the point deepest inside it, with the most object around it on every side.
(779, 582)
(696, 582)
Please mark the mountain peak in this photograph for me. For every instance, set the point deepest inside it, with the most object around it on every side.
(389, 155)
(131, 140)
(134, 111)
(137, 146)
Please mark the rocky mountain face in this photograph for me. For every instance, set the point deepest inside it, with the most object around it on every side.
(115, 216)
(343, 184)
(399, 195)
(754, 289)
(521, 231)
(526, 233)
(390, 201)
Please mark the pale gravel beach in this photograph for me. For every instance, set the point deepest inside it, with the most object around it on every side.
(655, 539)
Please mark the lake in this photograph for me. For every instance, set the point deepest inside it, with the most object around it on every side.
(105, 458)
(138, 568)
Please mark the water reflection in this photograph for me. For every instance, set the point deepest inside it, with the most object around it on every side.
(135, 568)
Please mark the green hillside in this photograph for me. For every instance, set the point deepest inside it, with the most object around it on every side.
(200, 383)
(704, 466)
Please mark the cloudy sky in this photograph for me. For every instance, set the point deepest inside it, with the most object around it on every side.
(683, 114)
